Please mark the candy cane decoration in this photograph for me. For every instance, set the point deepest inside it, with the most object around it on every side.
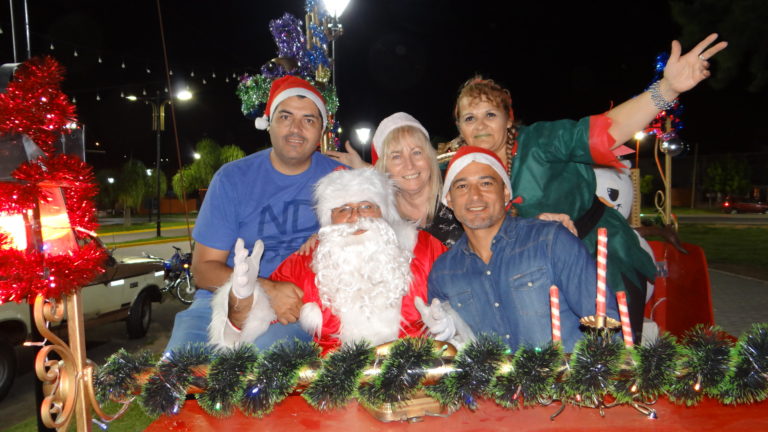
(626, 327)
(554, 309)
(602, 261)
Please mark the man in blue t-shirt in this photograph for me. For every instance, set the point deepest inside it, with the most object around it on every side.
(267, 196)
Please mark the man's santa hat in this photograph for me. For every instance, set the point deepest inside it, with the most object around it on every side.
(285, 87)
(357, 185)
(389, 124)
(466, 155)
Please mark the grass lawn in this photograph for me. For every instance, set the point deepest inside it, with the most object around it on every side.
(146, 240)
(131, 421)
(139, 226)
(648, 211)
(737, 249)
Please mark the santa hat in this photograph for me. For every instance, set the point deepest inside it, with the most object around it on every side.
(285, 87)
(389, 124)
(466, 155)
(351, 186)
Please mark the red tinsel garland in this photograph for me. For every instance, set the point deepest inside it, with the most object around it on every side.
(76, 180)
(25, 274)
(34, 105)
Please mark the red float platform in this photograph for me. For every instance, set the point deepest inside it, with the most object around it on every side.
(682, 294)
(294, 414)
(682, 299)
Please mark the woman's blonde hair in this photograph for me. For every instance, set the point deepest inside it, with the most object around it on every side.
(392, 142)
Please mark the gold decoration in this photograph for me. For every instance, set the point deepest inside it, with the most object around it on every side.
(68, 382)
(597, 322)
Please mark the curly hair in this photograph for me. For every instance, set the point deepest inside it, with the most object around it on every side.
(479, 88)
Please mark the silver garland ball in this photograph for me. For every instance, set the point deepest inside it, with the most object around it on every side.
(671, 144)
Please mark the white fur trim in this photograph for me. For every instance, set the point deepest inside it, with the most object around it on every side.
(407, 234)
(352, 186)
(311, 318)
(459, 164)
(220, 333)
(262, 123)
(298, 91)
(391, 123)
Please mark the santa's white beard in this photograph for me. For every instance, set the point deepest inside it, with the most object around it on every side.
(362, 278)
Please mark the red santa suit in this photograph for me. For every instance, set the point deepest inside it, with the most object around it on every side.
(297, 269)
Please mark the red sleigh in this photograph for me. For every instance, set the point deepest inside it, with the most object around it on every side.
(682, 296)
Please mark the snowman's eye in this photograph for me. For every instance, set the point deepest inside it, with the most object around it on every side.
(613, 194)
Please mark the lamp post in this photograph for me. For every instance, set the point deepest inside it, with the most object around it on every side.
(363, 135)
(335, 8)
(158, 103)
(634, 175)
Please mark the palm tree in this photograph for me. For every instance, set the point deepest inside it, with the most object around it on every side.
(198, 175)
(131, 187)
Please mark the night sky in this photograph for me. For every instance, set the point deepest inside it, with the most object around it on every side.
(559, 61)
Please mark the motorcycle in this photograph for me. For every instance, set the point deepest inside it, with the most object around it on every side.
(178, 277)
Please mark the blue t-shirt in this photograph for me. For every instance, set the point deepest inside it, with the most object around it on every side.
(249, 199)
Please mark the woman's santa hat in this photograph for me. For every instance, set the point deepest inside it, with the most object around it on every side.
(466, 155)
(285, 87)
(389, 124)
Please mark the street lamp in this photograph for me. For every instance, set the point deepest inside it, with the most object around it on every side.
(158, 103)
(363, 134)
(335, 8)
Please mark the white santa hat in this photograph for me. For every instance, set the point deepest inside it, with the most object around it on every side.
(285, 87)
(363, 184)
(468, 154)
(352, 186)
(389, 124)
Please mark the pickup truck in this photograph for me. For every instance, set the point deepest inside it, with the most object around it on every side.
(125, 291)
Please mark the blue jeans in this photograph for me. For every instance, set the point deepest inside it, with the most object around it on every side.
(191, 326)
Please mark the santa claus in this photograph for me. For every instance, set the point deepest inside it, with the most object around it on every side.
(363, 281)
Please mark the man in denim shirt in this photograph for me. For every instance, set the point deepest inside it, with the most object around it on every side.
(497, 276)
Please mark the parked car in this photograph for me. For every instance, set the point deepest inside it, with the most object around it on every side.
(735, 205)
(125, 291)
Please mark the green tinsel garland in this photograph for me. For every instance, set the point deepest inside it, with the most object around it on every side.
(225, 380)
(339, 376)
(401, 372)
(733, 374)
(595, 361)
(703, 366)
(253, 92)
(166, 390)
(531, 378)
(653, 371)
(747, 380)
(116, 380)
(275, 374)
(475, 367)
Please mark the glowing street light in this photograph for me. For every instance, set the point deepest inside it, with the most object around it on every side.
(363, 134)
(335, 7)
(158, 103)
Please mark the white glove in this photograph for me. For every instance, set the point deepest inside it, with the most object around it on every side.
(246, 272)
(440, 325)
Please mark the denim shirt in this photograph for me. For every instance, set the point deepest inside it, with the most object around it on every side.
(509, 296)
